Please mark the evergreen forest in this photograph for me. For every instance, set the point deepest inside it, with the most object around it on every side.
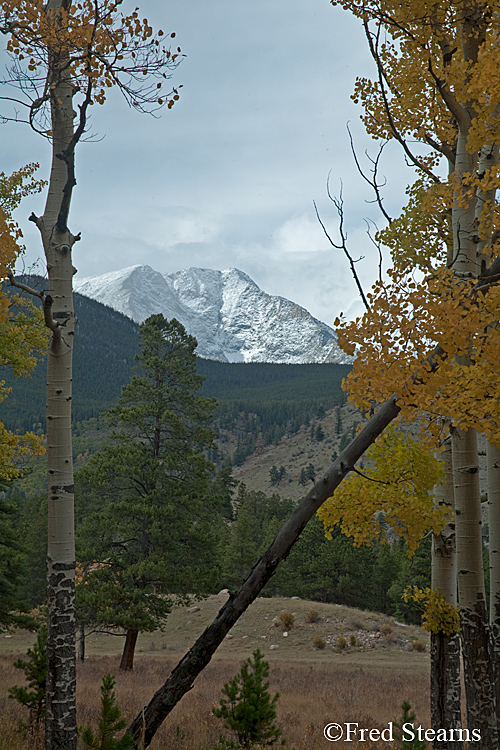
(256, 404)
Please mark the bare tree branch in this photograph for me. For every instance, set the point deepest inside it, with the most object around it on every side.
(46, 301)
(338, 203)
(371, 181)
(383, 83)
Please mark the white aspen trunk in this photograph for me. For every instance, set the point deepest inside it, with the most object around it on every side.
(466, 213)
(57, 242)
(493, 459)
(445, 649)
(493, 463)
(481, 704)
(443, 561)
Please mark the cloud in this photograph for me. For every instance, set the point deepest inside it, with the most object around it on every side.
(299, 234)
(228, 176)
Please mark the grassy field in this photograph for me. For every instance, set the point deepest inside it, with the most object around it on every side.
(364, 682)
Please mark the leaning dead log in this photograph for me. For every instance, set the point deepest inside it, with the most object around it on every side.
(145, 725)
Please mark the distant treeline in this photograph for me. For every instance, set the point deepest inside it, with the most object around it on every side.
(257, 399)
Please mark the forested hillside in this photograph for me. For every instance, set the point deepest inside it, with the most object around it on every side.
(266, 400)
(106, 343)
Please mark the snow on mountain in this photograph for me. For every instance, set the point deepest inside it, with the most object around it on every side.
(232, 319)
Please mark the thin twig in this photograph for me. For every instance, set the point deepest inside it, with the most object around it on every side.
(372, 182)
(339, 206)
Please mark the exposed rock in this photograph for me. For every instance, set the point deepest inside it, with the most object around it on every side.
(232, 319)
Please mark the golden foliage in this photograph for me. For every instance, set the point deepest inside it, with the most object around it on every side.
(23, 336)
(434, 55)
(398, 486)
(438, 615)
(15, 187)
(421, 237)
(406, 322)
(103, 47)
(14, 449)
(84, 570)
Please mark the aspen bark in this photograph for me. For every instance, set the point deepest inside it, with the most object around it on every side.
(466, 215)
(57, 242)
(493, 462)
(478, 671)
(445, 649)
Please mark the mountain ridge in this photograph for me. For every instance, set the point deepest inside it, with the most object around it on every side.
(232, 319)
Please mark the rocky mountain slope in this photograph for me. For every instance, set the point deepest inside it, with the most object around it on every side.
(232, 319)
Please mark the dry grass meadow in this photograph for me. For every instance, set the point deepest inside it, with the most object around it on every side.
(381, 664)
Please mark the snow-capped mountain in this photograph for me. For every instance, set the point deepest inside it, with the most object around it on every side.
(232, 319)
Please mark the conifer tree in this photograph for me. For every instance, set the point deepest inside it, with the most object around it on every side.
(153, 531)
(34, 695)
(248, 709)
(110, 722)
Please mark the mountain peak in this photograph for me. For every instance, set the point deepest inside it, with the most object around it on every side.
(232, 319)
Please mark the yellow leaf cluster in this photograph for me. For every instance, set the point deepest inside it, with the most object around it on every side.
(406, 322)
(431, 53)
(398, 486)
(438, 616)
(420, 238)
(23, 336)
(14, 187)
(14, 449)
(83, 571)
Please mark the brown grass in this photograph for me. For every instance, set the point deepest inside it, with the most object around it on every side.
(316, 687)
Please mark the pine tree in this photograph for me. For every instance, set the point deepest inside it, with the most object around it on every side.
(152, 531)
(12, 559)
(319, 434)
(404, 741)
(110, 722)
(248, 709)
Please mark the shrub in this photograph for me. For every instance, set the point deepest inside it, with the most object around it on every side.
(319, 643)
(356, 624)
(287, 619)
(352, 640)
(341, 642)
(418, 646)
(312, 616)
(248, 709)
(110, 722)
(386, 629)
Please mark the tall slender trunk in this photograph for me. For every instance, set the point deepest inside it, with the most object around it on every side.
(127, 662)
(493, 459)
(445, 649)
(57, 242)
(478, 670)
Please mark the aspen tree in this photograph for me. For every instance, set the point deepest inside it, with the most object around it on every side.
(445, 646)
(435, 64)
(65, 56)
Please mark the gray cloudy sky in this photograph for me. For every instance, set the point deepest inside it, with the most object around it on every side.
(229, 175)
